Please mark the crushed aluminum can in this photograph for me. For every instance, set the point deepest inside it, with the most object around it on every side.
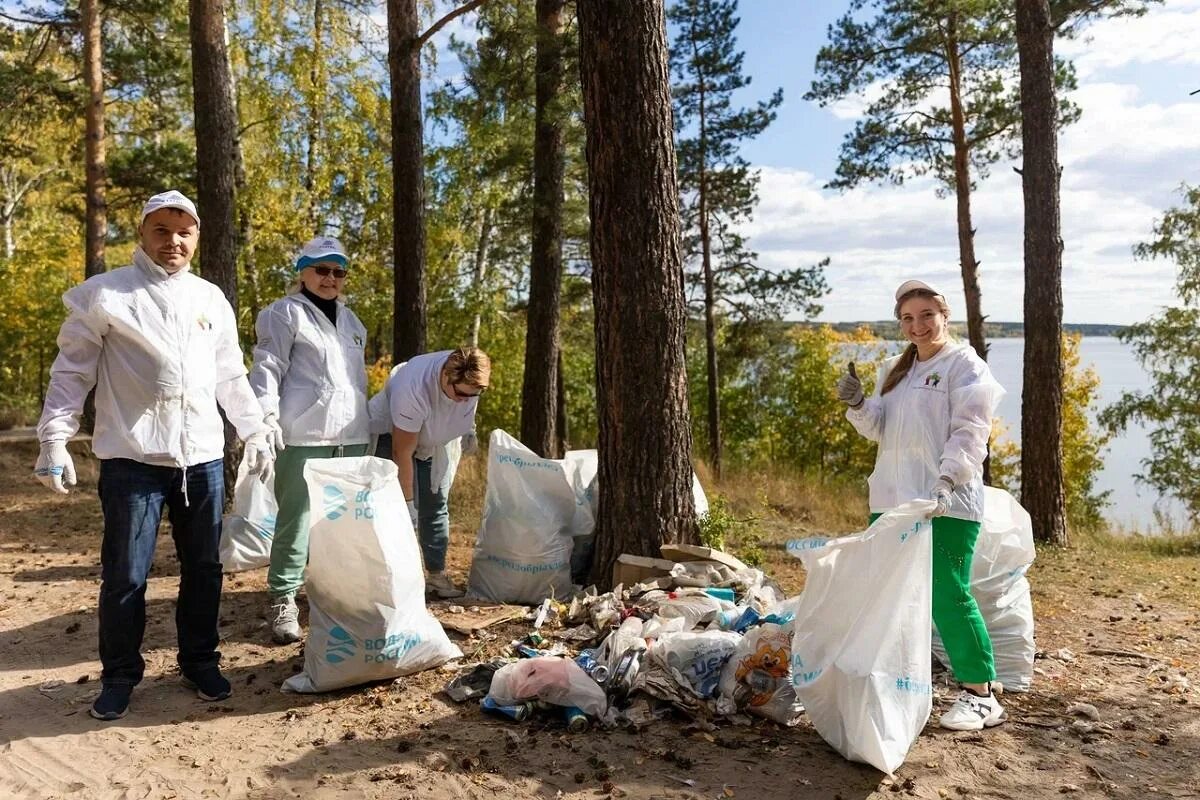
(620, 682)
(518, 712)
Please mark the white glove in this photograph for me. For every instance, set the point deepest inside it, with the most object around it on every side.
(942, 493)
(849, 388)
(55, 467)
(470, 444)
(275, 434)
(412, 513)
(259, 456)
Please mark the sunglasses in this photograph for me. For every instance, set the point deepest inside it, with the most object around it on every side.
(466, 395)
(325, 272)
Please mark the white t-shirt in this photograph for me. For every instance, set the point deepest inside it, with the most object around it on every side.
(420, 406)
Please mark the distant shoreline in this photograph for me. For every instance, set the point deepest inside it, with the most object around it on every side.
(887, 329)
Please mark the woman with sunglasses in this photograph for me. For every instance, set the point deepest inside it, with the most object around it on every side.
(433, 399)
(310, 376)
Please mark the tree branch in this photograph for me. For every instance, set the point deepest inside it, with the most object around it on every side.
(444, 21)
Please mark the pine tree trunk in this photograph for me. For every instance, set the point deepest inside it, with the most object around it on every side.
(1042, 490)
(245, 219)
(561, 430)
(645, 472)
(479, 271)
(316, 112)
(216, 169)
(95, 168)
(408, 181)
(539, 395)
(216, 137)
(962, 193)
(710, 331)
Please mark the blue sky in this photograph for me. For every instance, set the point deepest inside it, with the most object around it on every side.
(1139, 138)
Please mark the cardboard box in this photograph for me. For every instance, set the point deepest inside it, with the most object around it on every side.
(695, 552)
(634, 569)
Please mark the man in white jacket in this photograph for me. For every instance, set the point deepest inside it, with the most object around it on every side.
(160, 347)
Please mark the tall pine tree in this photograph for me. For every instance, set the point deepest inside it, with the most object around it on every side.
(718, 188)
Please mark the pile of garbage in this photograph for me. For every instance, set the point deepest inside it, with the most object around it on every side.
(703, 636)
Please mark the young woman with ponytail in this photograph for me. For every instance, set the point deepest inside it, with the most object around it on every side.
(931, 415)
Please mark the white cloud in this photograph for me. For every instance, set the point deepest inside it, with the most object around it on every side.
(1165, 35)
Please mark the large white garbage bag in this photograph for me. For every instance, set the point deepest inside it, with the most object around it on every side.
(246, 534)
(366, 587)
(860, 639)
(533, 509)
(1003, 555)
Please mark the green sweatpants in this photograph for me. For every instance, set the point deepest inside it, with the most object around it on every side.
(289, 548)
(955, 611)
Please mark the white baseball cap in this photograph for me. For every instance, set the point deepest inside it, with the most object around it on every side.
(909, 286)
(170, 199)
(322, 248)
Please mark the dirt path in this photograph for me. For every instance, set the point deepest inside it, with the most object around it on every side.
(406, 740)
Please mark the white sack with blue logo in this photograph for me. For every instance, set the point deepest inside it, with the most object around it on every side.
(366, 588)
(1003, 554)
(246, 534)
(533, 509)
(860, 638)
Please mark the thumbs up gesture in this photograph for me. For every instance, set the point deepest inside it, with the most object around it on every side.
(849, 387)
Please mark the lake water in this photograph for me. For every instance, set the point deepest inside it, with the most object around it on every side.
(1132, 504)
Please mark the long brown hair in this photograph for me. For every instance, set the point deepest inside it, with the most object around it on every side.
(909, 356)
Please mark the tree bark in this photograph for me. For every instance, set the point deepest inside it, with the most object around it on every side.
(539, 395)
(95, 169)
(316, 112)
(408, 181)
(216, 137)
(962, 193)
(1042, 490)
(479, 270)
(645, 471)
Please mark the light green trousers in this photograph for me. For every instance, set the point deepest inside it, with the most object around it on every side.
(289, 548)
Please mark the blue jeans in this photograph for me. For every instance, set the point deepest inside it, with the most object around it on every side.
(433, 517)
(132, 496)
(433, 509)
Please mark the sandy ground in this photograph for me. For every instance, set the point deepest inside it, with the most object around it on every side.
(1132, 627)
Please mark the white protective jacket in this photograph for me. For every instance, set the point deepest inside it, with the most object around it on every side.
(935, 422)
(311, 374)
(162, 351)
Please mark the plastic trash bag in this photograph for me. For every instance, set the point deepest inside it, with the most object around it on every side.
(533, 509)
(758, 678)
(555, 680)
(366, 588)
(1003, 555)
(694, 660)
(861, 636)
(247, 533)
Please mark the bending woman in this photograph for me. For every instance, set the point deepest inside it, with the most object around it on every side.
(931, 415)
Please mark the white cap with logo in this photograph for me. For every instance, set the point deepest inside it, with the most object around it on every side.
(322, 248)
(170, 199)
(909, 286)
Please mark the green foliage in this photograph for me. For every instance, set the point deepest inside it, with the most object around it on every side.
(898, 57)
(1169, 350)
(777, 397)
(715, 180)
(722, 529)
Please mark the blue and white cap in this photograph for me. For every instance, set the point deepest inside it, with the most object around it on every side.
(322, 248)
(170, 199)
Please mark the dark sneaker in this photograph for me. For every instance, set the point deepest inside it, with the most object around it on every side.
(113, 702)
(209, 684)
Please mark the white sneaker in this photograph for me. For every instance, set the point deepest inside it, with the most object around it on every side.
(971, 712)
(285, 616)
(439, 584)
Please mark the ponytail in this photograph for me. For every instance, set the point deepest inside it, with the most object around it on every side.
(903, 365)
